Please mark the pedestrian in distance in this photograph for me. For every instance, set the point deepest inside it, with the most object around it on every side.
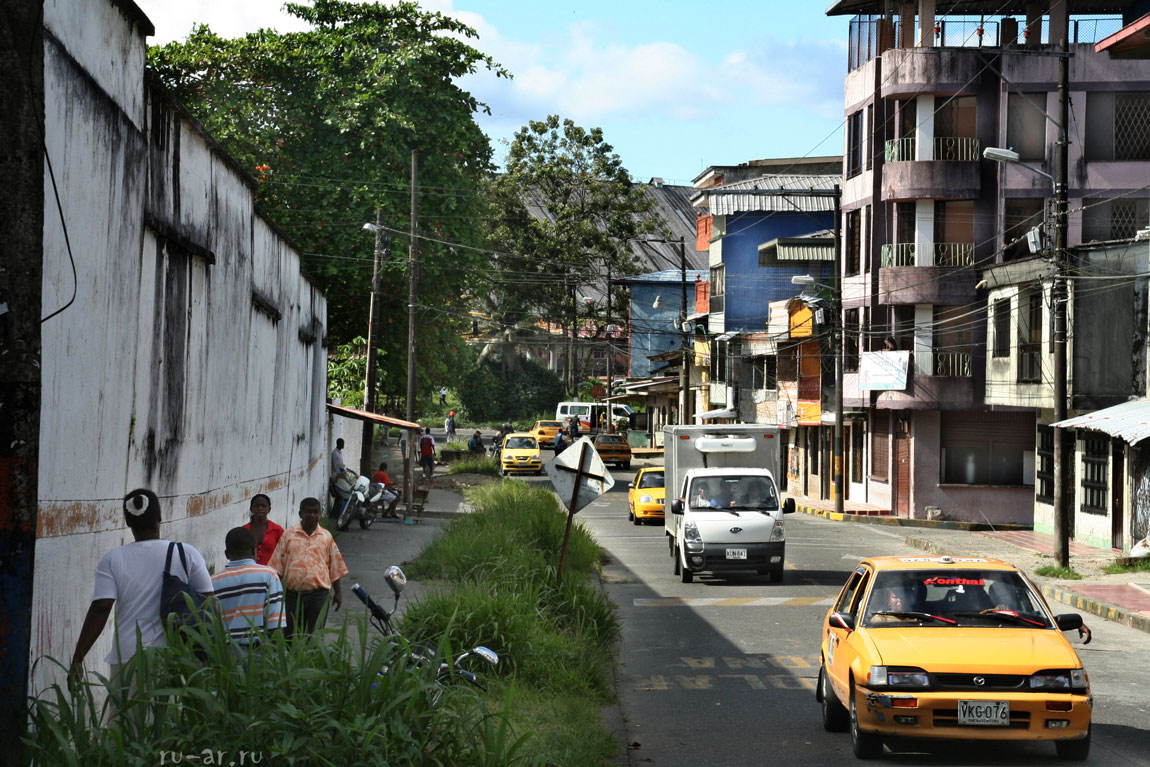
(130, 578)
(310, 566)
(560, 443)
(442, 395)
(266, 532)
(449, 425)
(250, 595)
(427, 453)
(475, 444)
(337, 462)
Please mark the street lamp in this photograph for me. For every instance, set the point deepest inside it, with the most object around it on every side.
(1011, 157)
(381, 242)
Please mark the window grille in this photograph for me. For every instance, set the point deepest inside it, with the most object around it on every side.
(854, 241)
(857, 434)
(1030, 340)
(1045, 469)
(1095, 462)
(1132, 125)
(880, 447)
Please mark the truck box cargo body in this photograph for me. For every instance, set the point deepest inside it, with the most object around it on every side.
(725, 509)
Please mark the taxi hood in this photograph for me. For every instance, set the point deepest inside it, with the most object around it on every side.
(989, 650)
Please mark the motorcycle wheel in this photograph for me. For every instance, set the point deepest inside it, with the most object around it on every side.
(366, 520)
(346, 515)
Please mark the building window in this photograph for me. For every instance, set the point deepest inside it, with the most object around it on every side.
(1118, 125)
(1030, 338)
(1026, 125)
(813, 449)
(880, 446)
(851, 330)
(853, 242)
(1095, 462)
(1002, 328)
(870, 141)
(718, 280)
(857, 435)
(854, 156)
(788, 364)
(1044, 491)
(986, 448)
(954, 233)
(764, 373)
(1020, 215)
(952, 342)
(1117, 219)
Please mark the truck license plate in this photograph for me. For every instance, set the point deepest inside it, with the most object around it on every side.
(995, 713)
(736, 553)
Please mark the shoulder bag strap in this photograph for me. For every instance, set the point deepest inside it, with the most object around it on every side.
(168, 561)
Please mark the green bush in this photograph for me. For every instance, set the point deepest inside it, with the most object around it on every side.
(474, 465)
(486, 396)
(341, 698)
(498, 565)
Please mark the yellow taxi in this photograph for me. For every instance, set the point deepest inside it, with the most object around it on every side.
(613, 448)
(950, 647)
(545, 432)
(646, 495)
(520, 453)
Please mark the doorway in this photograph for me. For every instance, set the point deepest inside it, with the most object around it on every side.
(901, 481)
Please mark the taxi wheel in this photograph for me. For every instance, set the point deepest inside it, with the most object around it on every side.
(636, 520)
(1074, 750)
(835, 717)
(866, 745)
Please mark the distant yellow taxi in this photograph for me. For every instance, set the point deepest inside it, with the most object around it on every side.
(545, 431)
(520, 454)
(646, 495)
(941, 647)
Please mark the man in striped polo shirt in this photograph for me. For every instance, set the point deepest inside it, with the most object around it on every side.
(250, 595)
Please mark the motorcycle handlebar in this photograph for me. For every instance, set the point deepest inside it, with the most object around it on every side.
(375, 609)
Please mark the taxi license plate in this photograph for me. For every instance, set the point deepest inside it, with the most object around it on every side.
(995, 713)
(736, 553)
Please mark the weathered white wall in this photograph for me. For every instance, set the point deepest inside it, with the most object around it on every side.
(163, 372)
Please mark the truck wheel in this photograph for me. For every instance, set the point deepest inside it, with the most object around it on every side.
(685, 575)
(777, 573)
(675, 559)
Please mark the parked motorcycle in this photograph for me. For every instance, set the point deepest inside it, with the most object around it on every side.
(364, 501)
(421, 654)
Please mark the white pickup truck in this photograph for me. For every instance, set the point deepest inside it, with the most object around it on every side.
(725, 511)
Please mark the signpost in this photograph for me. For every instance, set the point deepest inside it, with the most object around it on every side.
(579, 476)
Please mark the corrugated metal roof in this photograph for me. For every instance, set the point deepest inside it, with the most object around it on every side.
(781, 193)
(817, 246)
(666, 275)
(975, 7)
(1129, 421)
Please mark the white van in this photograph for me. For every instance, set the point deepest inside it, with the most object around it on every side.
(588, 412)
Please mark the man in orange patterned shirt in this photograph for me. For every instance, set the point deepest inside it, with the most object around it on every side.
(310, 566)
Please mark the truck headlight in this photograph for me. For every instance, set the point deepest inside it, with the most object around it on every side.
(777, 532)
(892, 676)
(691, 533)
(1066, 679)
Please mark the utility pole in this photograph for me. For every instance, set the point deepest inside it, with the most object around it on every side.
(840, 357)
(381, 240)
(610, 353)
(412, 286)
(1062, 493)
(684, 371)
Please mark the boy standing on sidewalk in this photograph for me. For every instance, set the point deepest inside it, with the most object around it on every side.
(251, 596)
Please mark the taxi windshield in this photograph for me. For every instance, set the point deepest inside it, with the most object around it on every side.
(521, 443)
(953, 597)
(733, 493)
(651, 479)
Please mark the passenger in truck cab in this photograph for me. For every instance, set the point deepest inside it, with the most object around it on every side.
(713, 495)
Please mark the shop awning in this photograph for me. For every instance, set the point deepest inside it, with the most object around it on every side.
(710, 415)
(363, 415)
(1129, 421)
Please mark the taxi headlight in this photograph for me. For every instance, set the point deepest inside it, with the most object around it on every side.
(691, 533)
(890, 676)
(646, 499)
(1068, 679)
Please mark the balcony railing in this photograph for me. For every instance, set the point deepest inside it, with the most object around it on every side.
(953, 148)
(898, 254)
(954, 254)
(952, 364)
(945, 254)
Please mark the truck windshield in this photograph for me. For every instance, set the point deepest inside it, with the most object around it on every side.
(733, 492)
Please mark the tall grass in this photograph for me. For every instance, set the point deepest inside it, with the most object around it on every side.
(340, 699)
(556, 645)
(474, 465)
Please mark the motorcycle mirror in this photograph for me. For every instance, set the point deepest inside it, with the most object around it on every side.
(395, 579)
(487, 654)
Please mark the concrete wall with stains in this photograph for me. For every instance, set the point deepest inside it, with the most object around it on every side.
(191, 360)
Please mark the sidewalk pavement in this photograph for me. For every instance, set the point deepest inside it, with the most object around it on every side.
(1123, 597)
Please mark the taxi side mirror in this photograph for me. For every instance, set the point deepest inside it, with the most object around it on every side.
(677, 506)
(789, 506)
(1068, 621)
(839, 620)
(631, 485)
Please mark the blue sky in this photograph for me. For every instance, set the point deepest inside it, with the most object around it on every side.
(675, 86)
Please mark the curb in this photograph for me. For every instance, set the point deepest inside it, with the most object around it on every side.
(883, 519)
(1062, 594)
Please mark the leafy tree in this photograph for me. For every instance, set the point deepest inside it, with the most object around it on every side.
(565, 211)
(326, 121)
(487, 395)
